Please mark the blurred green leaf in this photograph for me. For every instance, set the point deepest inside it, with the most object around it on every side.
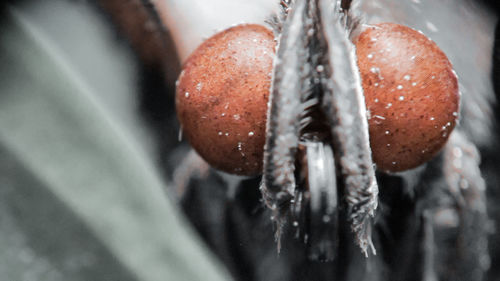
(79, 200)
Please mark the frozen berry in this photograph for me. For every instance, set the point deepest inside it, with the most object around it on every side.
(411, 94)
(222, 96)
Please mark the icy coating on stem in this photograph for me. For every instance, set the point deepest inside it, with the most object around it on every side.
(344, 101)
(284, 114)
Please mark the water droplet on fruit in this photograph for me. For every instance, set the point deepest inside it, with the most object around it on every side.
(431, 26)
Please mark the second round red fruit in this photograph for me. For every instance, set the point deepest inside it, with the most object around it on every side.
(411, 95)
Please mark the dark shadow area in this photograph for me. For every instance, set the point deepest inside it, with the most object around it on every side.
(138, 25)
(491, 160)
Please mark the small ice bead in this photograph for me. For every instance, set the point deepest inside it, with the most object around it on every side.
(250, 134)
(400, 87)
(186, 94)
(407, 77)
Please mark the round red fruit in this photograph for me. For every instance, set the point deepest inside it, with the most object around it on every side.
(411, 94)
(222, 96)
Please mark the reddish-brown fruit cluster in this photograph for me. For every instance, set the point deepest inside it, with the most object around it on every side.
(411, 95)
(222, 96)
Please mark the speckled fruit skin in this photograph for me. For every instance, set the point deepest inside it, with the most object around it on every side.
(222, 96)
(411, 94)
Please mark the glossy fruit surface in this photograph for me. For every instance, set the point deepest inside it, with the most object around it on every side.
(411, 93)
(222, 96)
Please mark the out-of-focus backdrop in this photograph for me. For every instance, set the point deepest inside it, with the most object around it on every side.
(81, 196)
(89, 143)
